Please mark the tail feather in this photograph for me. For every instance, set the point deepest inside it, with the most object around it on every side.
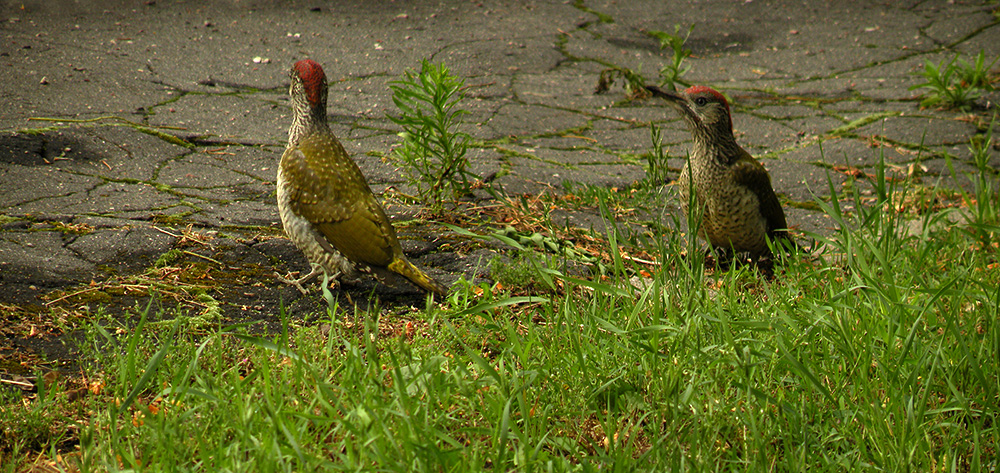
(406, 269)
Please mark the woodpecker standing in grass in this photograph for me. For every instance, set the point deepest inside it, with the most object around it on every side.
(326, 206)
(740, 211)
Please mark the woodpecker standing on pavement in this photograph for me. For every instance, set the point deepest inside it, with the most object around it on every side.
(326, 206)
(740, 210)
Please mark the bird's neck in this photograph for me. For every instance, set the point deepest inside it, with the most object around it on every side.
(717, 146)
(306, 121)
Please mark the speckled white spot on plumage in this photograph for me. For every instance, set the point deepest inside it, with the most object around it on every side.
(307, 238)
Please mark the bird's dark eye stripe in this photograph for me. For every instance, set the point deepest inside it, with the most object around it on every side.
(701, 100)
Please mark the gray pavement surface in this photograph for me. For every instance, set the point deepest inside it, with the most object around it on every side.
(130, 129)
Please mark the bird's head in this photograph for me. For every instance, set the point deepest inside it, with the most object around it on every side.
(308, 84)
(704, 109)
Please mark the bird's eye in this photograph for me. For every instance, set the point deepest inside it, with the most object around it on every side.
(700, 101)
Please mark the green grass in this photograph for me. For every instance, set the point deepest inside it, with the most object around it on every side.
(877, 354)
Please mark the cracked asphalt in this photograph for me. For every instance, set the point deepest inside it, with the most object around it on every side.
(131, 129)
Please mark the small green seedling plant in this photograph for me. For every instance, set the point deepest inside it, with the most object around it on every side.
(670, 74)
(955, 83)
(432, 149)
(977, 74)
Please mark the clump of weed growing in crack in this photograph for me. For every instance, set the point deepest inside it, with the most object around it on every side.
(670, 74)
(432, 150)
(634, 83)
(955, 83)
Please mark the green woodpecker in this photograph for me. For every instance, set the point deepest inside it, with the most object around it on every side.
(739, 209)
(326, 206)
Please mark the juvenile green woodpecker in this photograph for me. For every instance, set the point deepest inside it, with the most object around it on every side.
(326, 206)
(740, 211)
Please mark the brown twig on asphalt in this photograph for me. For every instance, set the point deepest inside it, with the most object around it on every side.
(82, 291)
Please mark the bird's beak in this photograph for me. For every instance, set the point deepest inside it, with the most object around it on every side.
(668, 95)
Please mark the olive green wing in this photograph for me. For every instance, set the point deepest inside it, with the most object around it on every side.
(752, 175)
(334, 196)
(366, 237)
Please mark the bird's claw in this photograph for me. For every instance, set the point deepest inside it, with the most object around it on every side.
(292, 282)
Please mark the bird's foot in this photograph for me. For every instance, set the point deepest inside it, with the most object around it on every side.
(764, 264)
(291, 282)
(331, 281)
(719, 257)
(298, 282)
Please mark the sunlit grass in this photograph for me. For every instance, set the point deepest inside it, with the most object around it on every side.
(876, 352)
